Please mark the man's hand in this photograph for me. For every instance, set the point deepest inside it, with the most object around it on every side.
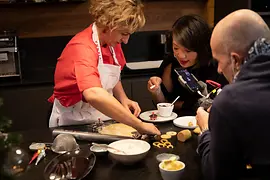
(148, 128)
(202, 118)
(132, 105)
(154, 84)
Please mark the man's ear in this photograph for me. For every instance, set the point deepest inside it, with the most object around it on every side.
(238, 61)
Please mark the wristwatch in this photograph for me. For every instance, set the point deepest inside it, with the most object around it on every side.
(203, 130)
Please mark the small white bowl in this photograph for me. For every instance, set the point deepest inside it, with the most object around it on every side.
(165, 109)
(98, 149)
(134, 150)
(171, 174)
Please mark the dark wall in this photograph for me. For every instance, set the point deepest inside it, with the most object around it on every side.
(39, 55)
(225, 7)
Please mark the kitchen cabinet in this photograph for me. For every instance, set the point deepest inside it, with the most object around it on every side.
(127, 86)
(136, 89)
(141, 94)
(27, 107)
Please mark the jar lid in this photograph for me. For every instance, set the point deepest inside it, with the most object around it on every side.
(165, 156)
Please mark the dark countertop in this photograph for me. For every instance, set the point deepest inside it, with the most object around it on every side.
(41, 76)
(107, 169)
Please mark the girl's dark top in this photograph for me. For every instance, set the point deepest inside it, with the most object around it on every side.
(190, 99)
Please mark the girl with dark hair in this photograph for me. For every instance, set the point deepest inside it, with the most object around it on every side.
(190, 39)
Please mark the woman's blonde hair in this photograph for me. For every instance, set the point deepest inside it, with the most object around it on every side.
(118, 13)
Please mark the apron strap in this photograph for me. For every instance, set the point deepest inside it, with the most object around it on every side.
(114, 55)
(96, 41)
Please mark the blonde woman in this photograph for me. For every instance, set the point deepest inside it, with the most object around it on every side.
(87, 76)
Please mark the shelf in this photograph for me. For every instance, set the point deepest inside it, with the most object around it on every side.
(264, 13)
(28, 3)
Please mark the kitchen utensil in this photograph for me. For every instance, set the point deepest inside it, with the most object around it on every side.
(165, 156)
(100, 150)
(135, 150)
(34, 156)
(165, 109)
(151, 87)
(171, 174)
(188, 122)
(175, 100)
(89, 136)
(37, 146)
(70, 165)
(145, 116)
(108, 147)
(64, 143)
(41, 155)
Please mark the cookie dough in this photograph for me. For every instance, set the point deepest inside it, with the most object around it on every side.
(184, 135)
(117, 129)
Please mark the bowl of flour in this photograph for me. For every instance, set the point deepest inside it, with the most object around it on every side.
(132, 150)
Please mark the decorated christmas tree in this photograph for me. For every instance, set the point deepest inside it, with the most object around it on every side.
(7, 140)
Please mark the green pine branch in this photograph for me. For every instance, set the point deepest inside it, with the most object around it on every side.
(7, 140)
(5, 123)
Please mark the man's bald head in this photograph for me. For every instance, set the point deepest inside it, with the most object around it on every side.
(232, 38)
(238, 31)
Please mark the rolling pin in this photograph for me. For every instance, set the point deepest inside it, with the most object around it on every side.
(89, 136)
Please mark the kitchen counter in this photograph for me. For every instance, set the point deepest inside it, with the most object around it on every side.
(106, 169)
(30, 78)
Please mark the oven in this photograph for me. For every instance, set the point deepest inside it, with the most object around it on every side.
(9, 55)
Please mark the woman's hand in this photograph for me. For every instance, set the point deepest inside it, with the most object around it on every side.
(154, 84)
(132, 106)
(148, 128)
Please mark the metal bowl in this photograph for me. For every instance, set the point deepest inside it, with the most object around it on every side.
(64, 143)
(70, 165)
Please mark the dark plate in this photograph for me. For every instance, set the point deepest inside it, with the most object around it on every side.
(70, 165)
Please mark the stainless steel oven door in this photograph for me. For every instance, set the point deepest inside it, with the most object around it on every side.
(9, 62)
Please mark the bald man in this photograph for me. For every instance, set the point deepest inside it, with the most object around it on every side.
(239, 119)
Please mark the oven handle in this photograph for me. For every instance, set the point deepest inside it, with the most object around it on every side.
(9, 49)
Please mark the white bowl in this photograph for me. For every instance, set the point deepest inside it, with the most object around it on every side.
(165, 109)
(134, 150)
(171, 174)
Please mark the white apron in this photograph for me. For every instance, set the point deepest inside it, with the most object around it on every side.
(81, 112)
